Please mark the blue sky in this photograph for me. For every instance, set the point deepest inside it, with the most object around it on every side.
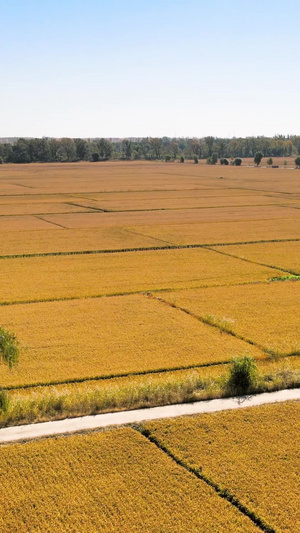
(120, 68)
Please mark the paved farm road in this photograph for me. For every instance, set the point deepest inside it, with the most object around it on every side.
(71, 425)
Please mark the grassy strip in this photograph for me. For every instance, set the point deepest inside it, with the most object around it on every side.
(223, 493)
(58, 402)
(285, 278)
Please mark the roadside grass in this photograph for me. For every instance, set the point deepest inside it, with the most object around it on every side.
(89, 398)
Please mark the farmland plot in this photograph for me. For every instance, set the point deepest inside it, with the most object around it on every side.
(266, 313)
(123, 492)
(252, 453)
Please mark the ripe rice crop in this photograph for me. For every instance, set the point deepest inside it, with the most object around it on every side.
(252, 453)
(119, 273)
(94, 337)
(251, 311)
(122, 491)
(181, 216)
(282, 255)
(68, 240)
(223, 232)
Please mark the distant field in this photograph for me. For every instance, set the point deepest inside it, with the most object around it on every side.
(252, 453)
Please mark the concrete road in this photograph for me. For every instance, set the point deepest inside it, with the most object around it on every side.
(71, 425)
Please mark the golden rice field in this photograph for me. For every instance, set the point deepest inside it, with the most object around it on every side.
(74, 209)
(285, 255)
(253, 453)
(122, 491)
(99, 337)
(266, 313)
(144, 323)
(81, 276)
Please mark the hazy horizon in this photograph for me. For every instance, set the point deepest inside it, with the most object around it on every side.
(160, 68)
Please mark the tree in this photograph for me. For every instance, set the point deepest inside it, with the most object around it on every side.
(270, 162)
(156, 145)
(213, 159)
(237, 162)
(242, 375)
(196, 159)
(224, 161)
(95, 157)
(9, 354)
(297, 162)
(173, 147)
(105, 149)
(257, 158)
(181, 159)
(126, 148)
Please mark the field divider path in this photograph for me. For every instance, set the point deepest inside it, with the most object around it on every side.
(94, 422)
(222, 493)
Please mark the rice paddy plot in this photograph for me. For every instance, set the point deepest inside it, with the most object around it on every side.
(266, 313)
(39, 208)
(74, 240)
(223, 232)
(252, 453)
(144, 201)
(181, 216)
(284, 255)
(100, 337)
(80, 276)
(122, 491)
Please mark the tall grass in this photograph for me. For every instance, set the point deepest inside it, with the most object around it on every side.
(56, 402)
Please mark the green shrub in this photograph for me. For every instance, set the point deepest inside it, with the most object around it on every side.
(242, 375)
(237, 162)
(297, 162)
(9, 347)
(4, 401)
(181, 159)
(196, 159)
(224, 161)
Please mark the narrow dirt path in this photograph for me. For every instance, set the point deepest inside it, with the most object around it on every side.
(71, 425)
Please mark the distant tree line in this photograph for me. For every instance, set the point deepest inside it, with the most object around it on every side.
(27, 150)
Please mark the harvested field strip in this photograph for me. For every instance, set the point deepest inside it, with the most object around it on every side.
(62, 277)
(66, 341)
(252, 453)
(222, 493)
(121, 494)
(239, 311)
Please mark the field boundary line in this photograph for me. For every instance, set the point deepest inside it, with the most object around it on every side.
(225, 494)
(47, 221)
